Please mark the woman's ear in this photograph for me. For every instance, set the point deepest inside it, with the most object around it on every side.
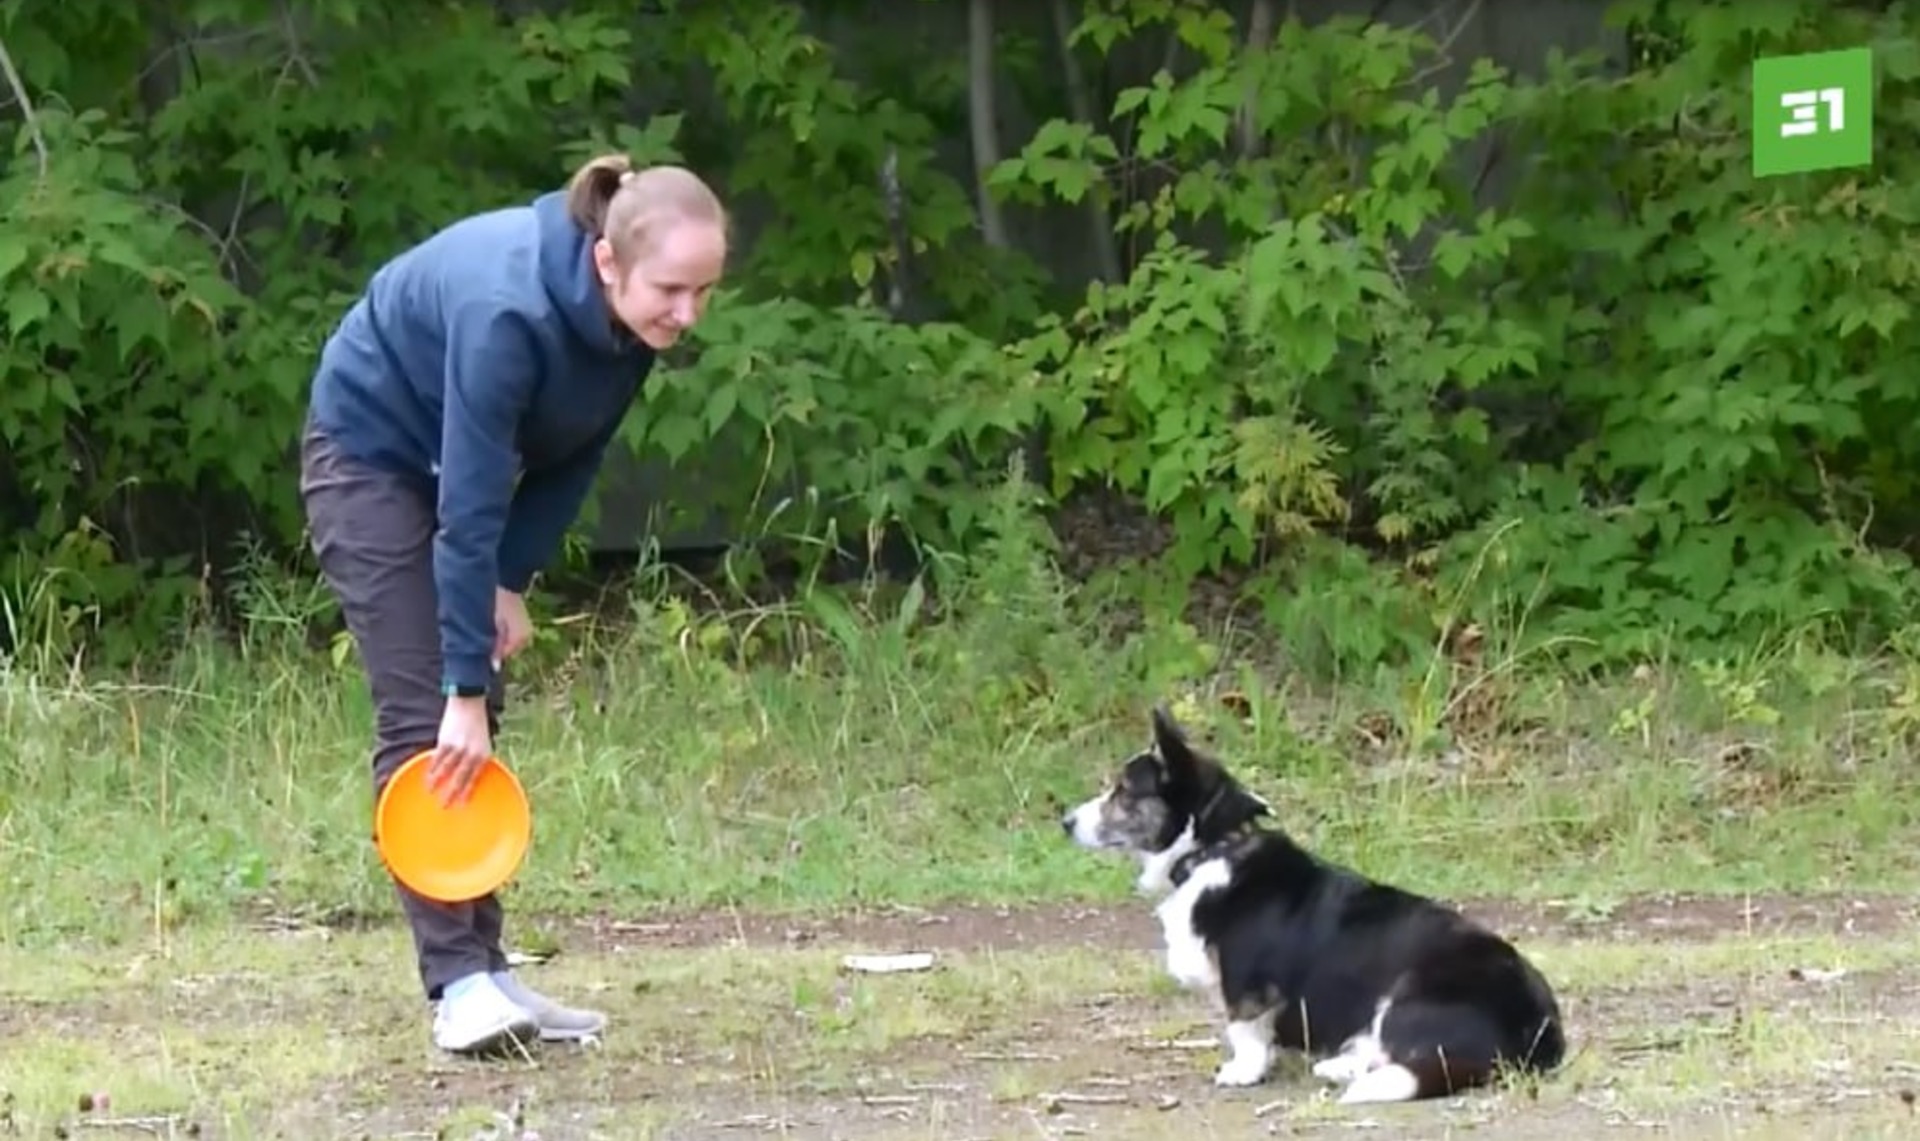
(603, 262)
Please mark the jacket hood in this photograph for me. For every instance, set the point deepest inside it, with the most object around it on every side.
(567, 274)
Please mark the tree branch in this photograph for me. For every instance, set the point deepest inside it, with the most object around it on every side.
(893, 199)
(1260, 28)
(981, 110)
(19, 88)
(296, 58)
(1443, 52)
(1080, 103)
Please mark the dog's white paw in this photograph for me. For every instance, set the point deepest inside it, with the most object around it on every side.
(1237, 1076)
(1240, 1071)
(1386, 1085)
(1361, 1055)
(1249, 1050)
(1340, 1069)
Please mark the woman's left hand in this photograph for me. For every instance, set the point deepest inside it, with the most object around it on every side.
(512, 629)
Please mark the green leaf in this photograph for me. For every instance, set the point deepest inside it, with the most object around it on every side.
(27, 306)
(1453, 254)
(13, 252)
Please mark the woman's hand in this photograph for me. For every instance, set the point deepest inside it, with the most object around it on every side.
(465, 744)
(512, 629)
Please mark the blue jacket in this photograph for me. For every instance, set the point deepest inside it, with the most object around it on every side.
(484, 355)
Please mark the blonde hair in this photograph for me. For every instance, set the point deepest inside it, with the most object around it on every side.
(608, 198)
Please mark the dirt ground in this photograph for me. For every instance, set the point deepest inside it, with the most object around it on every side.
(1691, 1018)
(1764, 1017)
(1005, 928)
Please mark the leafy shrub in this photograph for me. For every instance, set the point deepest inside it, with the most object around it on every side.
(1641, 397)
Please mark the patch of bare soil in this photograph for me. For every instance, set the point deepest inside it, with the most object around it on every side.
(1764, 1053)
(1680, 1059)
(1123, 927)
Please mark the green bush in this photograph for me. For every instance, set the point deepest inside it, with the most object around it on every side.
(1646, 400)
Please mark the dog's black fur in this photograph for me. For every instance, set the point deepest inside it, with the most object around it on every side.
(1399, 996)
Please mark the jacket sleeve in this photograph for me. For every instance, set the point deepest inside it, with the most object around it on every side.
(544, 506)
(491, 373)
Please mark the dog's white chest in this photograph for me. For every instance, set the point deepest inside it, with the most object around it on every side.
(1189, 959)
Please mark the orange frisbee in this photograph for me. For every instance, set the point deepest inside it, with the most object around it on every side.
(458, 853)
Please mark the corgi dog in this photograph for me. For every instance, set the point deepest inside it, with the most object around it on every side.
(1396, 996)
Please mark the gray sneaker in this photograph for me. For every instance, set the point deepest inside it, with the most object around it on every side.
(556, 1023)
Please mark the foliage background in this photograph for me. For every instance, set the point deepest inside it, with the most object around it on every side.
(1641, 400)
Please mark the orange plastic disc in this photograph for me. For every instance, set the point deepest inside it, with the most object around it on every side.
(456, 853)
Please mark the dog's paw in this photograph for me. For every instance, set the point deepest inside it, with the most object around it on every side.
(1385, 1085)
(1360, 1056)
(1340, 1069)
(1240, 1071)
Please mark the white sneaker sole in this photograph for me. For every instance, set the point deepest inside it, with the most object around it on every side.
(515, 1034)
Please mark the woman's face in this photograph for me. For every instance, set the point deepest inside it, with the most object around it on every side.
(666, 289)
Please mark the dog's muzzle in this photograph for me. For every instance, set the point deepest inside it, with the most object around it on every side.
(1083, 825)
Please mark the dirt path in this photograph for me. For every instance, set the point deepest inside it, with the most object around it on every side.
(1710, 1052)
(1122, 926)
(1692, 1040)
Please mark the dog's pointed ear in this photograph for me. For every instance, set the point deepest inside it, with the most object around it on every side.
(1239, 806)
(1169, 740)
(1252, 803)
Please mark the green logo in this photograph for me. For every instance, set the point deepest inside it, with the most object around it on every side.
(1812, 112)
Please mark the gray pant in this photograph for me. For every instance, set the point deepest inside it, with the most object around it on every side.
(372, 532)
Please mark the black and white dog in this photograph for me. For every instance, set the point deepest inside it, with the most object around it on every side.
(1398, 996)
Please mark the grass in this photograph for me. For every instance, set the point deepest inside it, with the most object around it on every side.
(826, 757)
(847, 763)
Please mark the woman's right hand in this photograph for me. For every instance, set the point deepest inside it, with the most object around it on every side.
(464, 745)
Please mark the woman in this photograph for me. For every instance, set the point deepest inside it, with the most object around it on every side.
(459, 414)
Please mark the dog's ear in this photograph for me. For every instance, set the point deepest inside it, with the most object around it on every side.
(1243, 804)
(1232, 808)
(1169, 740)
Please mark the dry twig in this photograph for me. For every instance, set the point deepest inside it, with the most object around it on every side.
(20, 96)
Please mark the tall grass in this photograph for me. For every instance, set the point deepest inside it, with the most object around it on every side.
(915, 745)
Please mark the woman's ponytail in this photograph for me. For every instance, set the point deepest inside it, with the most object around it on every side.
(591, 189)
